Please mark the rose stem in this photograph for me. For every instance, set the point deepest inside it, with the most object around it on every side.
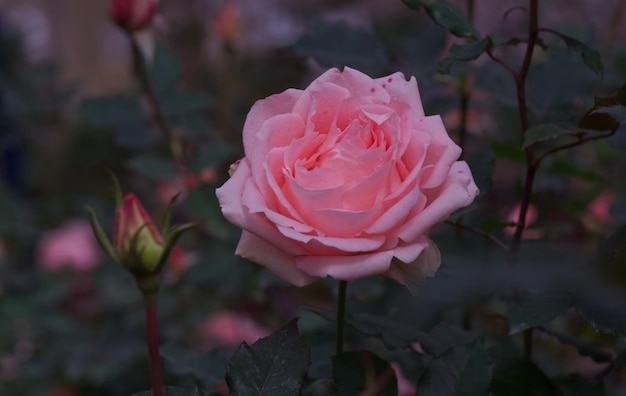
(152, 336)
(141, 69)
(532, 163)
(464, 94)
(341, 314)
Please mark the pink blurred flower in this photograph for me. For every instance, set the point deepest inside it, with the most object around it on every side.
(228, 328)
(183, 184)
(228, 23)
(72, 246)
(178, 262)
(600, 207)
(405, 387)
(531, 218)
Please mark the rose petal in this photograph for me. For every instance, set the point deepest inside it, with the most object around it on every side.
(458, 191)
(276, 260)
(441, 153)
(403, 91)
(347, 267)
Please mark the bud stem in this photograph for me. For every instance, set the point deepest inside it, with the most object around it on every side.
(152, 336)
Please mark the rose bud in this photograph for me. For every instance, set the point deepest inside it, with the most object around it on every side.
(137, 241)
(132, 15)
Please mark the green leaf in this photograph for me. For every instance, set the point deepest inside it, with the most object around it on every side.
(337, 44)
(101, 236)
(185, 102)
(446, 15)
(165, 69)
(273, 366)
(520, 378)
(153, 167)
(174, 391)
(535, 310)
(111, 110)
(591, 57)
(604, 314)
(359, 372)
(584, 348)
(476, 377)
(542, 133)
(464, 53)
(460, 371)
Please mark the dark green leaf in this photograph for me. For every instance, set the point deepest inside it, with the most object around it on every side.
(464, 52)
(338, 44)
(604, 314)
(470, 51)
(542, 133)
(154, 167)
(535, 310)
(363, 372)
(446, 15)
(591, 57)
(185, 102)
(584, 348)
(174, 391)
(273, 366)
(110, 110)
(460, 371)
(477, 374)
(520, 378)
(165, 69)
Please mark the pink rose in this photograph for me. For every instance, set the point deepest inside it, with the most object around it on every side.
(343, 179)
(71, 246)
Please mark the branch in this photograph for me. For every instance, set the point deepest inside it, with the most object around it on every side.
(481, 233)
(580, 141)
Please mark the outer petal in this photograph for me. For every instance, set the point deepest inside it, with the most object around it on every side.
(458, 191)
(403, 91)
(410, 273)
(346, 267)
(276, 260)
(264, 109)
(442, 152)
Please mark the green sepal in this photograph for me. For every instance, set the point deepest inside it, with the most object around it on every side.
(101, 236)
(167, 218)
(170, 241)
(117, 189)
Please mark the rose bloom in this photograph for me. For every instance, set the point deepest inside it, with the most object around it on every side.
(343, 179)
(71, 246)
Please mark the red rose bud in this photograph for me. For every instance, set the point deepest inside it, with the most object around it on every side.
(132, 15)
(137, 242)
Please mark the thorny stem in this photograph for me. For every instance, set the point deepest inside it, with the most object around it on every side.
(341, 315)
(531, 162)
(152, 334)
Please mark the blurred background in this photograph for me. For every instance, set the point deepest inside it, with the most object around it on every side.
(71, 321)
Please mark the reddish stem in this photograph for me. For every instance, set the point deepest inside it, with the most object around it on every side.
(152, 337)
